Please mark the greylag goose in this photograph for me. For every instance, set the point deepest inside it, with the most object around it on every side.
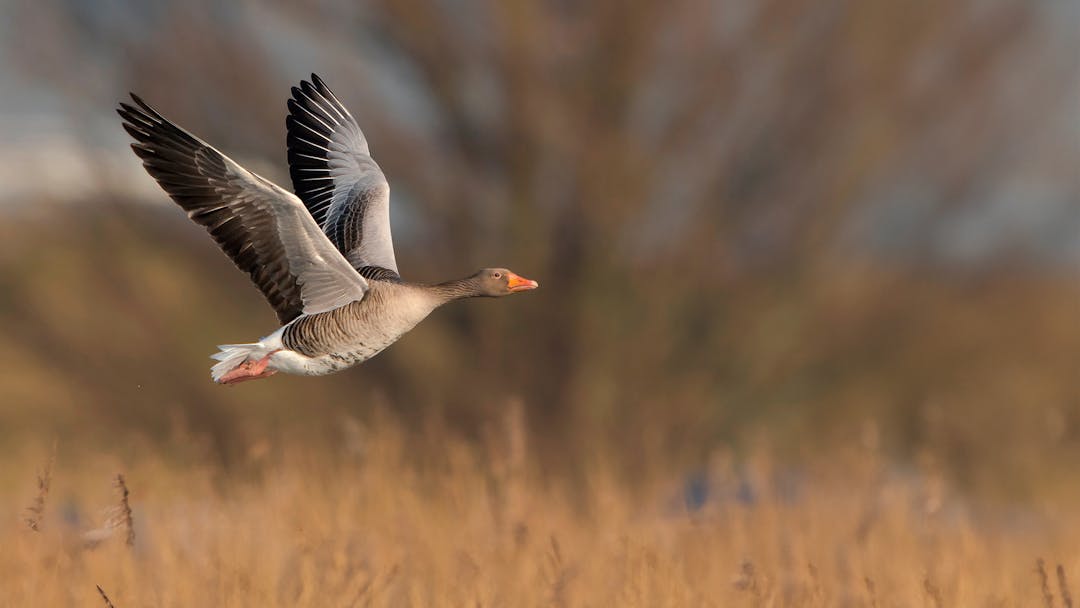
(323, 258)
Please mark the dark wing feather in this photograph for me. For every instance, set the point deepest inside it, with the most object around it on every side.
(341, 185)
(265, 230)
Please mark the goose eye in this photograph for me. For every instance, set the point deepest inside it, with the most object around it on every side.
(497, 275)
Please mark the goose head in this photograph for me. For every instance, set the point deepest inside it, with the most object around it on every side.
(498, 282)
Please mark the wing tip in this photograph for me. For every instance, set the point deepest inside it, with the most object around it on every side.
(140, 116)
(146, 108)
(317, 86)
(320, 84)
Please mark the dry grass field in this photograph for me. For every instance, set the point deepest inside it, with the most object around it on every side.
(478, 525)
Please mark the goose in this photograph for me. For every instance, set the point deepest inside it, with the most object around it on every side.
(323, 257)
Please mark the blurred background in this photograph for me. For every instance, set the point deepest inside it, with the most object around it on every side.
(793, 226)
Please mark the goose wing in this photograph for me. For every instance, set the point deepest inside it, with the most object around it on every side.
(341, 185)
(265, 230)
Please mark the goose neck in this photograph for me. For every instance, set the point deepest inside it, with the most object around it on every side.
(457, 289)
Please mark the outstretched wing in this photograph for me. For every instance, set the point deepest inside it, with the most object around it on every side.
(265, 230)
(334, 174)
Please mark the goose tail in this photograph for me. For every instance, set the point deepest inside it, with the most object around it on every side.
(232, 356)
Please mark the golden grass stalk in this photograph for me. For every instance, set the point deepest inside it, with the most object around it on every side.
(120, 517)
(558, 575)
(1044, 583)
(36, 511)
(123, 511)
(1063, 587)
(104, 597)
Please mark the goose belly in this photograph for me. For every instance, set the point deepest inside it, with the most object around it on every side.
(293, 362)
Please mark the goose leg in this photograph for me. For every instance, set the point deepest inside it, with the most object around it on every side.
(250, 370)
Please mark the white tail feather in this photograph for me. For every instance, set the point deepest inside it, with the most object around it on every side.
(232, 355)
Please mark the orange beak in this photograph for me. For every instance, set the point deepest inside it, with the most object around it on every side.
(517, 283)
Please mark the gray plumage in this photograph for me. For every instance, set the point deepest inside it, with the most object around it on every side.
(359, 330)
(323, 258)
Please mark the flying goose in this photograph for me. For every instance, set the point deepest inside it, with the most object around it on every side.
(323, 258)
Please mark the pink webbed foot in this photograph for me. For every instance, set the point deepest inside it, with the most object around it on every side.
(249, 370)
